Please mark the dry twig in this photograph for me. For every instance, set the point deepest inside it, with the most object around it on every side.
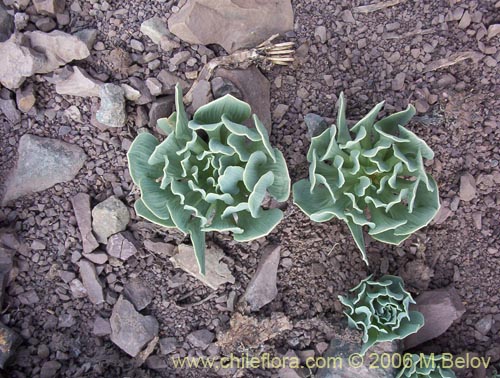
(376, 7)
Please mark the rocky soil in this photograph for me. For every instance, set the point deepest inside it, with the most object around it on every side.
(94, 291)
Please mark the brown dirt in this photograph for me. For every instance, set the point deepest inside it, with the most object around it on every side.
(461, 107)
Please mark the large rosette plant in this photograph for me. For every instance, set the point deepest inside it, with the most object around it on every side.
(381, 310)
(370, 175)
(210, 174)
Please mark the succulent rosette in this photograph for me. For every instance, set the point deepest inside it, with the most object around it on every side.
(381, 310)
(370, 175)
(424, 366)
(210, 174)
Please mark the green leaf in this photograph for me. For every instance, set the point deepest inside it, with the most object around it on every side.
(138, 154)
(255, 228)
(234, 109)
(144, 212)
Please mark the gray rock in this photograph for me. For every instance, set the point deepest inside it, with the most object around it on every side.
(102, 327)
(255, 89)
(169, 81)
(49, 7)
(138, 293)
(202, 94)
(315, 125)
(200, 338)
(180, 57)
(60, 48)
(156, 29)
(398, 82)
(493, 30)
(139, 85)
(42, 163)
(112, 112)
(45, 24)
(320, 33)
(98, 258)
(50, 369)
(131, 94)
(108, 218)
(154, 86)
(347, 343)
(6, 24)
(222, 87)
(168, 345)
(467, 187)
(18, 62)
(122, 246)
(130, 330)
(228, 22)
(81, 207)
(262, 288)
(9, 110)
(440, 309)
(347, 17)
(91, 282)
(87, 36)
(78, 83)
(25, 98)
(483, 326)
(6, 255)
(77, 288)
(161, 108)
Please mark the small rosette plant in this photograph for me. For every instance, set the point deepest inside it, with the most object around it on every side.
(380, 309)
(422, 366)
(210, 174)
(371, 175)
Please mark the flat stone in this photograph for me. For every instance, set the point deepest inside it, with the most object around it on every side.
(255, 89)
(467, 187)
(77, 288)
(49, 7)
(217, 273)
(440, 309)
(9, 110)
(162, 107)
(50, 369)
(202, 94)
(169, 81)
(83, 215)
(156, 29)
(160, 248)
(139, 85)
(91, 282)
(25, 98)
(78, 83)
(222, 87)
(108, 218)
(112, 111)
(347, 17)
(315, 125)
(154, 86)
(465, 21)
(137, 292)
(45, 24)
(180, 57)
(102, 327)
(320, 33)
(262, 288)
(6, 23)
(87, 36)
(398, 82)
(60, 48)
(18, 62)
(200, 338)
(130, 330)
(98, 258)
(493, 31)
(131, 94)
(122, 246)
(233, 24)
(484, 325)
(280, 111)
(42, 163)
(168, 345)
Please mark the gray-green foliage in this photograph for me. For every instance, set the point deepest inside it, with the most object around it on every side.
(422, 366)
(371, 175)
(380, 309)
(210, 174)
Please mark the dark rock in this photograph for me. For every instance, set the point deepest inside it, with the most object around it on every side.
(169, 81)
(9, 110)
(101, 327)
(168, 345)
(6, 24)
(222, 87)
(49, 7)
(262, 288)
(255, 89)
(122, 246)
(50, 369)
(440, 309)
(138, 293)
(161, 108)
(202, 94)
(200, 338)
(42, 163)
(9, 341)
(315, 125)
(138, 84)
(130, 330)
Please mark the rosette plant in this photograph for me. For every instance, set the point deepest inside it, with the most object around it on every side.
(210, 174)
(421, 366)
(370, 175)
(380, 309)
